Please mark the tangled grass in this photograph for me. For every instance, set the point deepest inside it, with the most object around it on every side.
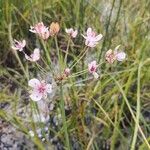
(111, 112)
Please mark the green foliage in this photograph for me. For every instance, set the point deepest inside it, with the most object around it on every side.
(120, 97)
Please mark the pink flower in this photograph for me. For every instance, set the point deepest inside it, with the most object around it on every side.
(18, 45)
(91, 39)
(35, 56)
(67, 72)
(40, 89)
(111, 55)
(120, 56)
(92, 67)
(41, 30)
(71, 32)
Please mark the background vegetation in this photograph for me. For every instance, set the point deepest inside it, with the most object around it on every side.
(111, 113)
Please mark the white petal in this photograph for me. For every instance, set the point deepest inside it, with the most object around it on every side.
(21, 49)
(98, 37)
(84, 36)
(74, 34)
(14, 48)
(95, 75)
(36, 54)
(23, 43)
(87, 42)
(36, 51)
(34, 82)
(27, 57)
(48, 88)
(121, 56)
(66, 30)
(116, 49)
(32, 29)
(36, 96)
(89, 30)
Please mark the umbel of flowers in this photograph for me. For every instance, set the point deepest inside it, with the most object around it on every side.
(40, 89)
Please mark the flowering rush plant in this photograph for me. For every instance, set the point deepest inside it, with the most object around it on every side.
(56, 57)
(40, 89)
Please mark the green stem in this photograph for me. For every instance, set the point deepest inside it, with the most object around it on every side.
(106, 34)
(114, 27)
(64, 118)
(79, 58)
(47, 52)
(107, 116)
(67, 51)
(137, 109)
(16, 54)
(59, 54)
(130, 109)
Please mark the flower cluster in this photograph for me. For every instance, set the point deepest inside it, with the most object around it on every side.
(41, 30)
(111, 55)
(20, 45)
(40, 89)
(72, 33)
(44, 32)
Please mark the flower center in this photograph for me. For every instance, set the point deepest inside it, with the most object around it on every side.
(93, 34)
(93, 69)
(41, 89)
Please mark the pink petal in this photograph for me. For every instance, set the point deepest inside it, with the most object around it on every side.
(121, 56)
(92, 66)
(35, 56)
